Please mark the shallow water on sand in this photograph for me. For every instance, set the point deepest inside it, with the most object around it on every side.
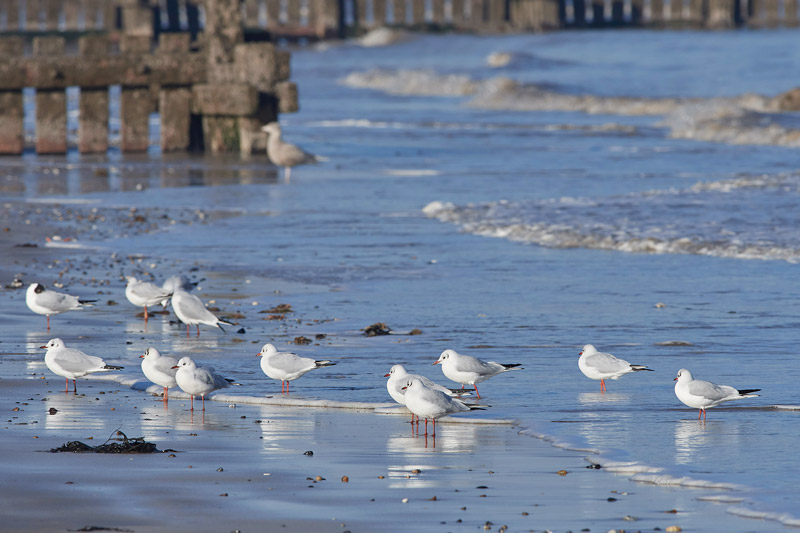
(558, 224)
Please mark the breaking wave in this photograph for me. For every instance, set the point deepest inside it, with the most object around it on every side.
(645, 222)
(743, 119)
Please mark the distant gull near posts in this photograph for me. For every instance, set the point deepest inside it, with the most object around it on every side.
(284, 154)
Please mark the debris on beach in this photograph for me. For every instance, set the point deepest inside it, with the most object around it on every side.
(674, 343)
(377, 329)
(278, 312)
(302, 340)
(122, 444)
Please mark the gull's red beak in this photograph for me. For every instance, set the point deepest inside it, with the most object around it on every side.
(386, 375)
(404, 388)
(43, 347)
(176, 366)
(676, 379)
(141, 356)
(436, 362)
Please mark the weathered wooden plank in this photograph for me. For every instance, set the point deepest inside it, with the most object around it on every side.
(379, 12)
(293, 8)
(437, 13)
(51, 121)
(274, 12)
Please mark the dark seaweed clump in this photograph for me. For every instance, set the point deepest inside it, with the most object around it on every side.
(120, 444)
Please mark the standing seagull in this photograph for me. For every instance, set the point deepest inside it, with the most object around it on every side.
(45, 302)
(70, 363)
(286, 366)
(398, 379)
(159, 369)
(704, 394)
(143, 293)
(197, 380)
(431, 403)
(284, 154)
(603, 366)
(192, 312)
(469, 370)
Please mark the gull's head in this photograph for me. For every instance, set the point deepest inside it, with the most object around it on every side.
(396, 371)
(413, 383)
(185, 362)
(683, 376)
(131, 279)
(35, 288)
(267, 349)
(150, 353)
(53, 343)
(273, 128)
(589, 349)
(446, 356)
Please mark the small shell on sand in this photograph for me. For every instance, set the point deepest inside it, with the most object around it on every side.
(674, 528)
(562, 472)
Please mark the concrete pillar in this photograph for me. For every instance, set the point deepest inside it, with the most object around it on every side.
(93, 120)
(286, 93)
(93, 102)
(418, 11)
(12, 138)
(497, 13)
(71, 15)
(51, 104)
(137, 18)
(438, 11)
(52, 12)
(617, 12)
(478, 14)
(637, 11)
(293, 8)
(657, 12)
(457, 12)
(12, 15)
(771, 13)
(598, 12)
(720, 14)
(223, 32)
(274, 12)
(134, 110)
(399, 11)
(32, 8)
(175, 107)
(328, 18)
(790, 8)
(379, 12)
(675, 10)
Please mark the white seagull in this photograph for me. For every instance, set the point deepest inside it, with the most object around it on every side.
(469, 370)
(191, 311)
(431, 403)
(197, 380)
(704, 394)
(398, 379)
(70, 363)
(286, 366)
(603, 366)
(159, 369)
(143, 293)
(42, 301)
(173, 283)
(284, 154)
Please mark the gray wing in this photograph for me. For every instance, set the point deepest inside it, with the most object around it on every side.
(193, 308)
(76, 361)
(149, 291)
(290, 362)
(57, 300)
(291, 155)
(472, 364)
(607, 363)
(711, 391)
(165, 364)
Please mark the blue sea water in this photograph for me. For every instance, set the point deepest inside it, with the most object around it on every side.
(516, 213)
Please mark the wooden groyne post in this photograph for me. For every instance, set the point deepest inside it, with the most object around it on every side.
(214, 96)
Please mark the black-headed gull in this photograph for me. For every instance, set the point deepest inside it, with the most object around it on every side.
(704, 394)
(70, 363)
(173, 283)
(284, 154)
(191, 311)
(286, 366)
(603, 366)
(143, 293)
(197, 380)
(398, 379)
(426, 402)
(469, 370)
(159, 369)
(42, 301)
